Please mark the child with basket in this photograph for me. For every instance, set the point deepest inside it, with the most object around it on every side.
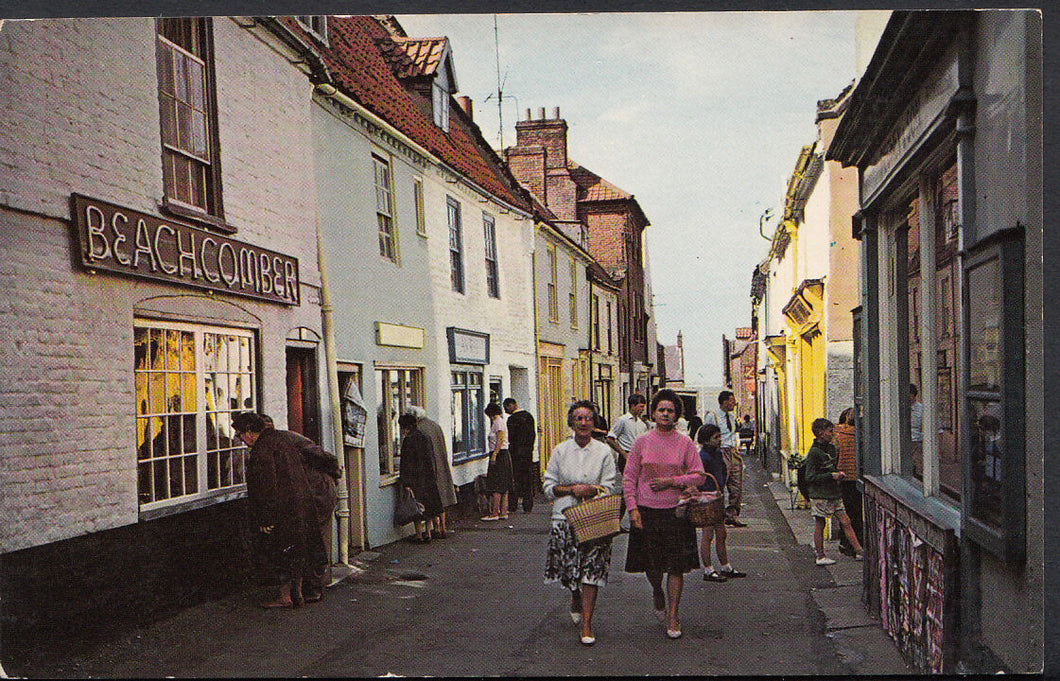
(709, 438)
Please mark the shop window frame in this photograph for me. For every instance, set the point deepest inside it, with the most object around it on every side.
(1007, 541)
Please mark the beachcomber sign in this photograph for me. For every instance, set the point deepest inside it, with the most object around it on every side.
(130, 243)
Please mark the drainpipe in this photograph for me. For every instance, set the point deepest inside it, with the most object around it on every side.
(343, 511)
(537, 344)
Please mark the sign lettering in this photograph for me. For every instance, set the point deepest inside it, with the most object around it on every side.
(134, 244)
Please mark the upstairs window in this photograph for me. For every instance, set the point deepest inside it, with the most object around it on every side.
(317, 25)
(490, 234)
(440, 98)
(573, 296)
(456, 246)
(188, 119)
(384, 209)
(595, 321)
(553, 284)
(421, 212)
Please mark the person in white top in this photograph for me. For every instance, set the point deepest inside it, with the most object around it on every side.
(627, 428)
(499, 473)
(723, 417)
(577, 469)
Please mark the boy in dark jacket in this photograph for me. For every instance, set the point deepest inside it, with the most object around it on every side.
(826, 496)
(709, 438)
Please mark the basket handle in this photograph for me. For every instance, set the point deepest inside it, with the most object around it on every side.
(691, 492)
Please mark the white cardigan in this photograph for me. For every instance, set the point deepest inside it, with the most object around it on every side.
(570, 464)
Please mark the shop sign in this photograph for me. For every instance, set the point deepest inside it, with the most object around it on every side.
(399, 336)
(134, 244)
(468, 347)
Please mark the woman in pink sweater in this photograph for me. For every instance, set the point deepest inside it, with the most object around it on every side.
(661, 464)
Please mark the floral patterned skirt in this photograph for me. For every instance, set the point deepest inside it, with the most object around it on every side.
(572, 566)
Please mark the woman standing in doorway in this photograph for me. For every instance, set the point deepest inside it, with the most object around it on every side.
(661, 464)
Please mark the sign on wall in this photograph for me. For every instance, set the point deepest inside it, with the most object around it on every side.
(135, 244)
(468, 347)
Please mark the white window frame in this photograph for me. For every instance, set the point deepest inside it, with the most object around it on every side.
(553, 284)
(573, 297)
(386, 218)
(456, 246)
(315, 24)
(145, 385)
(489, 231)
(440, 101)
(410, 392)
(421, 210)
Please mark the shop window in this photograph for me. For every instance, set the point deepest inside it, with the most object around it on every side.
(469, 441)
(188, 118)
(489, 230)
(384, 208)
(993, 324)
(399, 388)
(456, 246)
(496, 390)
(190, 380)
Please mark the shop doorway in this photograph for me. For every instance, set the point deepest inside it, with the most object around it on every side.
(303, 396)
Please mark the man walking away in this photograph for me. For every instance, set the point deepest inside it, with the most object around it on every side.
(723, 418)
(522, 431)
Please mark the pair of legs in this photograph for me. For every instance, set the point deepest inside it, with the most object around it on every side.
(671, 599)
(734, 483)
(584, 601)
(711, 533)
(499, 504)
(848, 530)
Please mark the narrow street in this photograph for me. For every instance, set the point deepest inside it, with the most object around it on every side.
(474, 605)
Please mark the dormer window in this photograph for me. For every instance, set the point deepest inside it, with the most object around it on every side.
(317, 25)
(441, 106)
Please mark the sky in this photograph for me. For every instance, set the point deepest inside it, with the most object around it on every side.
(699, 115)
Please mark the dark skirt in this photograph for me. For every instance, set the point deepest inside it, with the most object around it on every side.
(499, 473)
(666, 544)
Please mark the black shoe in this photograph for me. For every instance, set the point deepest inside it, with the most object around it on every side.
(732, 574)
(715, 576)
(733, 522)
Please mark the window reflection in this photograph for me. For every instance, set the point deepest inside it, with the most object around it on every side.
(987, 460)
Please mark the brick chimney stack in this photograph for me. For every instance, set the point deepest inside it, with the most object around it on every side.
(539, 160)
(465, 103)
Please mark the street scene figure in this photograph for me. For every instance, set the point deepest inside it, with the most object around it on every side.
(522, 432)
(826, 497)
(661, 464)
(499, 473)
(626, 429)
(323, 472)
(747, 433)
(724, 418)
(579, 468)
(846, 445)
(709, 439)
(418, 474)
(281, 503)
(443, 472)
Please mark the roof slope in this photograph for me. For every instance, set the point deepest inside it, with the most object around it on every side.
(592, 187)
(362, 57)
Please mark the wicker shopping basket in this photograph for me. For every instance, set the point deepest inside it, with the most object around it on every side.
(595, 519)
(705, 508)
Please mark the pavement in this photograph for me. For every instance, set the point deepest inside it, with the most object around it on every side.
(475, 604)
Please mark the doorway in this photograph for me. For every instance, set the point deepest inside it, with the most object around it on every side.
(303, 395)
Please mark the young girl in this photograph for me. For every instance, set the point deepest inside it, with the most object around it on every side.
(709, 437)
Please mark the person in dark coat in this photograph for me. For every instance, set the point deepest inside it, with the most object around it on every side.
(417, 473)
(523, 432)
(443, 472)
(280, 500)
(323, 472)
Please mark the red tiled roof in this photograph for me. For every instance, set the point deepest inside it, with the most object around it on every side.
(425, 55)
(592, 187)
(361, 56)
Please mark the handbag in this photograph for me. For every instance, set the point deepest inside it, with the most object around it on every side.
(703, 508)
(595, 519)
(407, 509)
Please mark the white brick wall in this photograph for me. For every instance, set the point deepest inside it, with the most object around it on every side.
(79, 112)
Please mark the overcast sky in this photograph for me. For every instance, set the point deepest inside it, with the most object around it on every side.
(700, 116)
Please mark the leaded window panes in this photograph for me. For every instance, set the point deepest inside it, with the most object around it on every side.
(399, 389)
(469, 430)
(189, 381)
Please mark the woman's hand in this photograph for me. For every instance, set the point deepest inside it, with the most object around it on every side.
(634, 518)
(659, 484)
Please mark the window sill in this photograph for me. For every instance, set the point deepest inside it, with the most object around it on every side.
(911, 496)
(389, 480)
(475, 456)
(167, 207)
(218, 497)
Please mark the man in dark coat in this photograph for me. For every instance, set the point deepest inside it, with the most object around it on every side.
(323, 471)
(417, 473)
(278, 490)
(522, 431)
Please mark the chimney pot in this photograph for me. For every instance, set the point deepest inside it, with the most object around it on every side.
(541, 113)
(556, 115)
(465, 103)
(529, 116)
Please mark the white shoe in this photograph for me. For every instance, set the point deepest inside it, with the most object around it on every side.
(588, 640)
(490, 518)
(823, 560)
(576, 617)
(673, 633)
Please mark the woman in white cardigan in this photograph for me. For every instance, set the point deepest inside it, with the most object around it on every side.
(576, 469)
